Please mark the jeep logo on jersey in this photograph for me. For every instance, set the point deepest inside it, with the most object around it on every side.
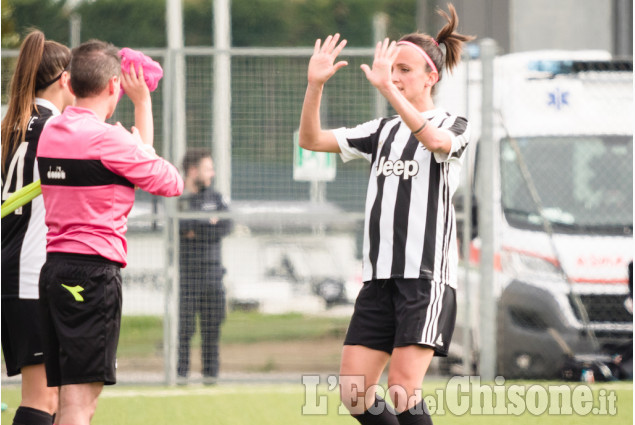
(57, 174)
(408, 168)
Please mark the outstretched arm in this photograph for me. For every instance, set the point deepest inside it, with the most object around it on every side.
(379, 76)
(137, 90)
(321, 68)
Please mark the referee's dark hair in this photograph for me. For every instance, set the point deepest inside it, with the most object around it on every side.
(93, 64)
(41, 62)
(193, 157)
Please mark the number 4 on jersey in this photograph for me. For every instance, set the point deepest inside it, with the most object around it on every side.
(16, 170)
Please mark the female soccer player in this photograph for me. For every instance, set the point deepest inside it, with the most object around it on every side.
(39, 91)
(406, 310)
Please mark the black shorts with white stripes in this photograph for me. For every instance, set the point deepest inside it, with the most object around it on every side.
(400, 312)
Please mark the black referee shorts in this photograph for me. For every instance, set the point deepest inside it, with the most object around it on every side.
(400, 312)
(22, 334)
(81, 307)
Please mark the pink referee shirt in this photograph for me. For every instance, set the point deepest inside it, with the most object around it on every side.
(88, 170)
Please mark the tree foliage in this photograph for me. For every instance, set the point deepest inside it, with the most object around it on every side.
(271, 23)
(300, 22)
(10, 38)
(49, 16)
(131, 23)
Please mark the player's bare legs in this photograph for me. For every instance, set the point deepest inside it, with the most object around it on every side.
(35, 393)
(408, 367)
(360, 366)
(78, 403)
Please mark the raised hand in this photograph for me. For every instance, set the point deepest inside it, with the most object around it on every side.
(380, 74)
(134, 85)
(321, 65)
(137, 90)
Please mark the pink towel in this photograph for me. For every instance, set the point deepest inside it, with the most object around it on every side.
(152, 71)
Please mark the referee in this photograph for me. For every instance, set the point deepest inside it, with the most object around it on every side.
(406, 310)
(89, 171)
(39, 91)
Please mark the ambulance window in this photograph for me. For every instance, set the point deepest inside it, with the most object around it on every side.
(584, 184)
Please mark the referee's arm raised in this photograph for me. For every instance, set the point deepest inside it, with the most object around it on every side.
(321, 68)
(138, 92)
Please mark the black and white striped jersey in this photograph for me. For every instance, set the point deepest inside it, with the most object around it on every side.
(24, 231)
(410, 227)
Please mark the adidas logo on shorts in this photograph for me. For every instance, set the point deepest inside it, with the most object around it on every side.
(439, 340)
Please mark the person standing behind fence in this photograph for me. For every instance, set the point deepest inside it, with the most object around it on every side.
(39, 91)
(89, 170)
(201, 269)
(406, 310)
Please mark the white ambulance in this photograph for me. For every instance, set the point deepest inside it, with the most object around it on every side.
(563, 205)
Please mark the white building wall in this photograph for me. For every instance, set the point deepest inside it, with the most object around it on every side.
(560, 24)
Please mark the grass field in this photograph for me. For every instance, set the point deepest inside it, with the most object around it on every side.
(293, 344)
(284, 342)
(236, 404)
(140, 334)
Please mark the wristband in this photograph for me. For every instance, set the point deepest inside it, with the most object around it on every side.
(421, 128)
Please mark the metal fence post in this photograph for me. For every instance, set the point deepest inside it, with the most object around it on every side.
(380, 31)
(171, 307)
(222, 135)
(175, 116)
(468, 331)
(487, 150)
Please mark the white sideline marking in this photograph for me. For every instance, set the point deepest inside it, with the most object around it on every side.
(190, 391)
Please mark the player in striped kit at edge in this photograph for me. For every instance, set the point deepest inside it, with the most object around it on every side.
(39, 91)
(406, 310)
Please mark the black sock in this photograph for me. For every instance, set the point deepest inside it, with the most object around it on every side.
(379, 413)
(29, 416)
(417, 415)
